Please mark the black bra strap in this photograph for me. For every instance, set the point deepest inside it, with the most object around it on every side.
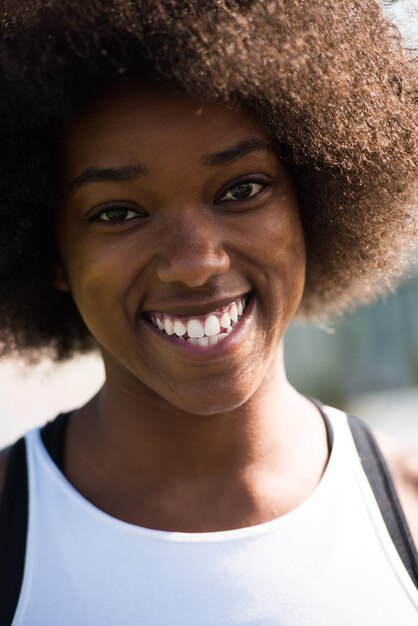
(53, 437)
(384, 490)
(13, 528)
(327, 422)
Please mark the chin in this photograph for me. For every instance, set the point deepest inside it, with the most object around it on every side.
(212, 403)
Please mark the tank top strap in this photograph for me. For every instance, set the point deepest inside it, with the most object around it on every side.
(14, 513)
(378, 475)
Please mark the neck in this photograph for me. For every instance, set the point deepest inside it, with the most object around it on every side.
(146, 462)
(141, 434)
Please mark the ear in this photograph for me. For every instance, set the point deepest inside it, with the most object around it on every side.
(60, 279)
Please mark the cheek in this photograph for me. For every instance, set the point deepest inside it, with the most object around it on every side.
(291, 257)
(282, 267)
(100, 272)
(285, 242)
(275, 247)
(288, 281)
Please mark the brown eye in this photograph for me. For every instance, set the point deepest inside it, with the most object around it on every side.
(243, 191)
(115, 214)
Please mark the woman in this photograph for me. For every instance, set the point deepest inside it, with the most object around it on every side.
(179, 181)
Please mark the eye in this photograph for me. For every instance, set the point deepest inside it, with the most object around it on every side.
(115, 214)
(244, 190)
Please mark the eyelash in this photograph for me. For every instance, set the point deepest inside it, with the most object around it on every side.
(255, 180)
(112, 207)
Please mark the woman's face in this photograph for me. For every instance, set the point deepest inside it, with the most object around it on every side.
(173, 216)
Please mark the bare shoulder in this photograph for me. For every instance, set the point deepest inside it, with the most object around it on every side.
(4, 456)
(402, 461)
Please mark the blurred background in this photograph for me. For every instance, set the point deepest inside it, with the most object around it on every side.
(366, 363)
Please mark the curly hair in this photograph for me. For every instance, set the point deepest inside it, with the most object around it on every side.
(330, 80)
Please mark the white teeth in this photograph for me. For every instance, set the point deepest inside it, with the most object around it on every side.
(207, 332)
(233, 313)
(212, 326)
(195, 329)
(179, 328)
(225, 320)
(168, 326)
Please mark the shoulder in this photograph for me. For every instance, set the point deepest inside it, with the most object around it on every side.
(402, 462)
(4, 457)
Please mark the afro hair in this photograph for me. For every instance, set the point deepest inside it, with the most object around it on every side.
(329, 79)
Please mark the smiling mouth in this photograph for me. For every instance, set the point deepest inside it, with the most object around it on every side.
(201, 330)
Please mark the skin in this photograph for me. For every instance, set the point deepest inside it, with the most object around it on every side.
(171, 442)
(220, 438)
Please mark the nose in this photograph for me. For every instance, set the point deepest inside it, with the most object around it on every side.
(193, 253)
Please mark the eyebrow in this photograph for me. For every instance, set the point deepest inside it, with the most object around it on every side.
(133, 171)
(239, 149)
(129, 172)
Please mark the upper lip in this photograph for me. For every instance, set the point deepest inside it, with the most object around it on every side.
(197, 307)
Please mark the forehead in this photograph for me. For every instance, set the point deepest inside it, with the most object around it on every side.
(155, 123)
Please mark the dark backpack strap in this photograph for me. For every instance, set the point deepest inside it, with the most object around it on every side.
(377, 472)
(13, 530)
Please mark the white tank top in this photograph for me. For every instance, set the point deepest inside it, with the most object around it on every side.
(329, 562)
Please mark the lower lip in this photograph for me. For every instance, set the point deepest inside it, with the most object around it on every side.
(227, 346)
